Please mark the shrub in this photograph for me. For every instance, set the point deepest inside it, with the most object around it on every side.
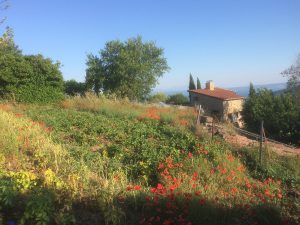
(28, 78)
(157, 98)
(178, 99)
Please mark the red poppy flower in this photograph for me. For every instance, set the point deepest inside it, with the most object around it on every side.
(137, 187)
(202, 201)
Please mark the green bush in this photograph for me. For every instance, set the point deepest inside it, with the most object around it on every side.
(157, 98)
(280, 113)
(37, 94)
(28, 78)
(178, 99)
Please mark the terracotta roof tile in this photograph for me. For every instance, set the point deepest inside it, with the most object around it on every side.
(218, 93)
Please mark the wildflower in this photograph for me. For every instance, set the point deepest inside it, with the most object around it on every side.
(195, 175)
(167, 222)
(267, 192)
(202, 201)
(161, 166)
(223, 170)
(137, 187)
(152, 190)
(230, 158)
(234, 190)
(129, 188)
(205, 152)
(198, 193)
(159, 186)
(229, 178)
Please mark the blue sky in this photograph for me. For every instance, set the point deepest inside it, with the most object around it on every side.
(231, 42)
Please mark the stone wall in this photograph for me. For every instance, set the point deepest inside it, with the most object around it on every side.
(209, 104)
(217, 107)
(233, 107)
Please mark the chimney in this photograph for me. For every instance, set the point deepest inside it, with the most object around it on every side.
(210, 85)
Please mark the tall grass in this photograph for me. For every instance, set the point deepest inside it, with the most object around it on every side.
(46, 179)
(123, 107)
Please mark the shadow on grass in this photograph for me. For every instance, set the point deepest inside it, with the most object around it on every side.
(139, 208)
(43, 208)
(195, 210)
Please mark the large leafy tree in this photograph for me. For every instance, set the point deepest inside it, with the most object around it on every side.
(72, 87)
(293, 75)
(280, 113)
(128, 69)
(94, 73)
(30, 78)
(178, 99)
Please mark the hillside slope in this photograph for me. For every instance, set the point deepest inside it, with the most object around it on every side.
(83, 165)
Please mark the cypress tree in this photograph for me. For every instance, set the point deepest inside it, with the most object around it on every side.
(252, 91)
(192, 85)
(198, 83)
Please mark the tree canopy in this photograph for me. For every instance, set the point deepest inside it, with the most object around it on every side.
(128, 69)
(293, 75)
(178, 99)
(29, 78)
(72, 87)
(280, 113)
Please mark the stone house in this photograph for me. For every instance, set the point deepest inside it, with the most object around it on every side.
(217, 102)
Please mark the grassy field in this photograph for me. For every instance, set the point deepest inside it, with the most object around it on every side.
(99, 161)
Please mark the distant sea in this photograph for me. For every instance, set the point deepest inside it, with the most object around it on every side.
(243, 91)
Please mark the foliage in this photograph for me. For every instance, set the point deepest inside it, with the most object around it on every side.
(192, 85)
(178, 99)
(127, 69)
(28, 78)
(198, 83)
(280, 113)
(158, 97)
(82, 167)
(94, 74)
(72, 88)
(293, 74)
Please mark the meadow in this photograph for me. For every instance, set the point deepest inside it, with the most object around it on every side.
(99, 160)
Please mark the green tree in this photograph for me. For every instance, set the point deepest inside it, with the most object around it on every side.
(280, 113)
(192, 85)
(158, 97)
(94, 74)
(178, 99)
(30, 78)
(72, 87)
(128, 69)
(198, 84)
(252, 91)
(293, 75)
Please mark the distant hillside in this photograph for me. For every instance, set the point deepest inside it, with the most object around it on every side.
(243, 91)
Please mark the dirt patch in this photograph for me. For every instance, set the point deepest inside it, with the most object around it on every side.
(242, 141)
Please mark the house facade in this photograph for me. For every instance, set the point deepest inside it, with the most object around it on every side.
(218, 102)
